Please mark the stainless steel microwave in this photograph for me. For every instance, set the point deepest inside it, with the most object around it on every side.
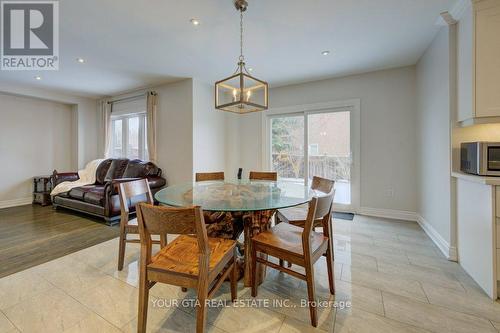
(480, 158)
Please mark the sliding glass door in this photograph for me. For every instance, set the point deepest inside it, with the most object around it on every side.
(329, 153)
(314, 144)
(287, 148)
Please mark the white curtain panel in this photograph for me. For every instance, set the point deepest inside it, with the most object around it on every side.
(151, 109)
(106, 109)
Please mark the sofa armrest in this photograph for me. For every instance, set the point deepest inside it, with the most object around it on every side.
(156, 182)
(59, 177)
(111, 187)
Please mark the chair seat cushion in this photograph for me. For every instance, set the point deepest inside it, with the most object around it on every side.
(288, 237)
(181, 255)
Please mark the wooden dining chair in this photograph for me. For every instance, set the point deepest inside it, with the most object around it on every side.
(258, 175)
(130, 194)
(300, 246)
(192, 260)
(297, 215)
(203, 176)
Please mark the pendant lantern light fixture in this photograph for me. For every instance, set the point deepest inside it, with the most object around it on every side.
(241, 93)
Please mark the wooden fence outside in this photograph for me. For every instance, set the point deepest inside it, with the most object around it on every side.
(331, 167)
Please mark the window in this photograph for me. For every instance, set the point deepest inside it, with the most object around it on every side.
(129, 136)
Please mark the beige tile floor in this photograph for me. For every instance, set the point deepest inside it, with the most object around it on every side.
(394, 277)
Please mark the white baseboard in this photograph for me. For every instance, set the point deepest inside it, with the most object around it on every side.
(450, 252)
(389, 213)
(15, 202)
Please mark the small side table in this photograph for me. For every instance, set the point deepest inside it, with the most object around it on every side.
(42, 186)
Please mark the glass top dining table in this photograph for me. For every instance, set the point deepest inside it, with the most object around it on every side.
(247, 203)
(236, 195)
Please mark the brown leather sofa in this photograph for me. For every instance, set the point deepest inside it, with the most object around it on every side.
(101, 199)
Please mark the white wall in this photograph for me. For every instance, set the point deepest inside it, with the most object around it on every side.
(233, 157)
(434, 110)
(87, 130)
(175, 131)
(85, 124)
(388, 135)
(32, 106)
(209, 139)
(35, 138)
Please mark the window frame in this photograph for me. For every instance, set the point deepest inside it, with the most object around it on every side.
(142, 144)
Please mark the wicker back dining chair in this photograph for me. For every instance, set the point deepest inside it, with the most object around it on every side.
(192, 260)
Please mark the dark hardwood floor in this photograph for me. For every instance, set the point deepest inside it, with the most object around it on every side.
(31, 235)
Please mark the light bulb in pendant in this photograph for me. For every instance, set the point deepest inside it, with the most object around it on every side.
(249, 93)
(235, 95)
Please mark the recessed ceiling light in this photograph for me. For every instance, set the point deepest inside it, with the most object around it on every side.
(325, 53)
(80, 60)
(194, 21)
(38, 77)
(250, 69)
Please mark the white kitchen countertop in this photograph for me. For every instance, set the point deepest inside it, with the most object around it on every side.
(477, 179)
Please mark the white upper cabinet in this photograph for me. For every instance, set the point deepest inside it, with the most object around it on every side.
(488, 58)
(479, 70)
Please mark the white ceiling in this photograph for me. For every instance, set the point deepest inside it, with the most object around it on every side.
(129, 44)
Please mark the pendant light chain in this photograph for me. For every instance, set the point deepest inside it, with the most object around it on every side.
(242, 58)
